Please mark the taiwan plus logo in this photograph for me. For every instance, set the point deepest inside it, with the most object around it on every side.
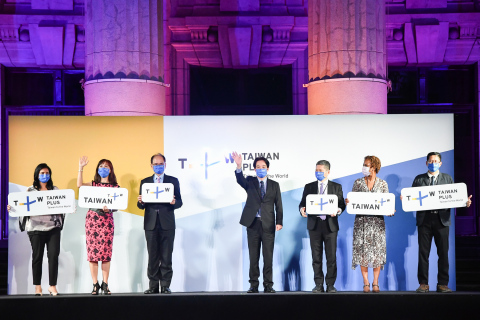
(382, 201)
(420, 197)
(321, 203)
(158, 191)
(227, 159)
(27, 203)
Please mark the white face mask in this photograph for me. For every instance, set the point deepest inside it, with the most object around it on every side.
(366, 171)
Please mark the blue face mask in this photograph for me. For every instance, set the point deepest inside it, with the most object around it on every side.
(433, 167)
(261, 173)
(320, 175)
(44, 177)
(103, 172)
(159, 169)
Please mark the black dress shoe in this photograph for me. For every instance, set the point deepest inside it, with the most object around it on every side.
(151, 291)
(331, 289)
(252, 290)
(166, 290)
(318, 289)
(269, 290)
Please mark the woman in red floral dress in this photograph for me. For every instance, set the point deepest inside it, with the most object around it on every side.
(99, 224)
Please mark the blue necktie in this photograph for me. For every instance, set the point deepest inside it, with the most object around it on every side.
(262, 194)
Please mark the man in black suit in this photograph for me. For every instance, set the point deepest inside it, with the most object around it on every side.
(263, 199)
(433, 223)
(323, 229)
(159, 226)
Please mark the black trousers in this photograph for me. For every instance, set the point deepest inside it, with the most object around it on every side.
(257, 238)
(160, 249)
(38, 240)
(432, 227)
(319, 236)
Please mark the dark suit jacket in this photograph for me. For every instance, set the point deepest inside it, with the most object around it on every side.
(332, 188)
(423, 180)
(273, 197)
(165, 210)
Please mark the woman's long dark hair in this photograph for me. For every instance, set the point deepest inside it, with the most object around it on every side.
(36, 181)
(112, 179)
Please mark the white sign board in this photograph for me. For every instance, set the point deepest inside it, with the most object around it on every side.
(444, 196)
(324, 204)
(99, 197)
(370, 203)
(39, 203)
(157, 192)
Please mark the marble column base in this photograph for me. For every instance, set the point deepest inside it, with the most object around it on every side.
(124, 97)
(347, 96)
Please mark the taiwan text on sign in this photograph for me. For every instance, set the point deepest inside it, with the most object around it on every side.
(157, 192)
(99, 197)
(369, 203)
(38, 203)
(444, 196)
(324, 204)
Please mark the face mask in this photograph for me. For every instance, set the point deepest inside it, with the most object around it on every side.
(159, 169)
(366, 171)
(44, 177)
(261, 173)
(320, 175)
(103, 172)
(433, 167)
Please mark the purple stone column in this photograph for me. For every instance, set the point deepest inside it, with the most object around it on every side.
(124, 65)
(346, 57)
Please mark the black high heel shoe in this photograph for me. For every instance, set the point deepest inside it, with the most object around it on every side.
(105, 288)
(96, 288)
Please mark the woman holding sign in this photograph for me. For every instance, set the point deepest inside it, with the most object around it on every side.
(43, 230)
(99, 224)
(369, 240)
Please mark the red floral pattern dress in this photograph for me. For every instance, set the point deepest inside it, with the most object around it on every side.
(99, 229)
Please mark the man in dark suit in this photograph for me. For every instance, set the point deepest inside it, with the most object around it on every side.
(323, 229)
(433, 223)
(159, 226)
(263, 199)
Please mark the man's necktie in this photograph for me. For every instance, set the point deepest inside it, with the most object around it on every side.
(322, 216)
(262, 194)
(432, 180)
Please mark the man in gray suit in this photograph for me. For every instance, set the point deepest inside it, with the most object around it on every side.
(433, 224)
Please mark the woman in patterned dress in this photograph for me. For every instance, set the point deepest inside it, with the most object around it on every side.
(369, 241)
(99, 224)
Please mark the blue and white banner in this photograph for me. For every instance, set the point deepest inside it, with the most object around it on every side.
(324, 204)
(210, 250)
(100, 197)
(157, 192)
(444, 196)
(37, 203)
(367, 203)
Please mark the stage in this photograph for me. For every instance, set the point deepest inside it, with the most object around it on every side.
(240, 305)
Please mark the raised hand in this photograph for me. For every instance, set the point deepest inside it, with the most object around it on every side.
(83, 161)
(238, 159)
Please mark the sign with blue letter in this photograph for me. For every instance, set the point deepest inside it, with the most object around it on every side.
(444, 196)
(39, 203)
(157, 192)
(326, 204)
(369, 203)
(99, 197)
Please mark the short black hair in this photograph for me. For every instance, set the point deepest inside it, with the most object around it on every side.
(158, 155)
(324, 163)
(261, 159)
(434, 154)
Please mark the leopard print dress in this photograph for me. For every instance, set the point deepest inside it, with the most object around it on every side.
(369, 238)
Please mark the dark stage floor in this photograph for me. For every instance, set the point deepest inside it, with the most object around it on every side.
(239, 305)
